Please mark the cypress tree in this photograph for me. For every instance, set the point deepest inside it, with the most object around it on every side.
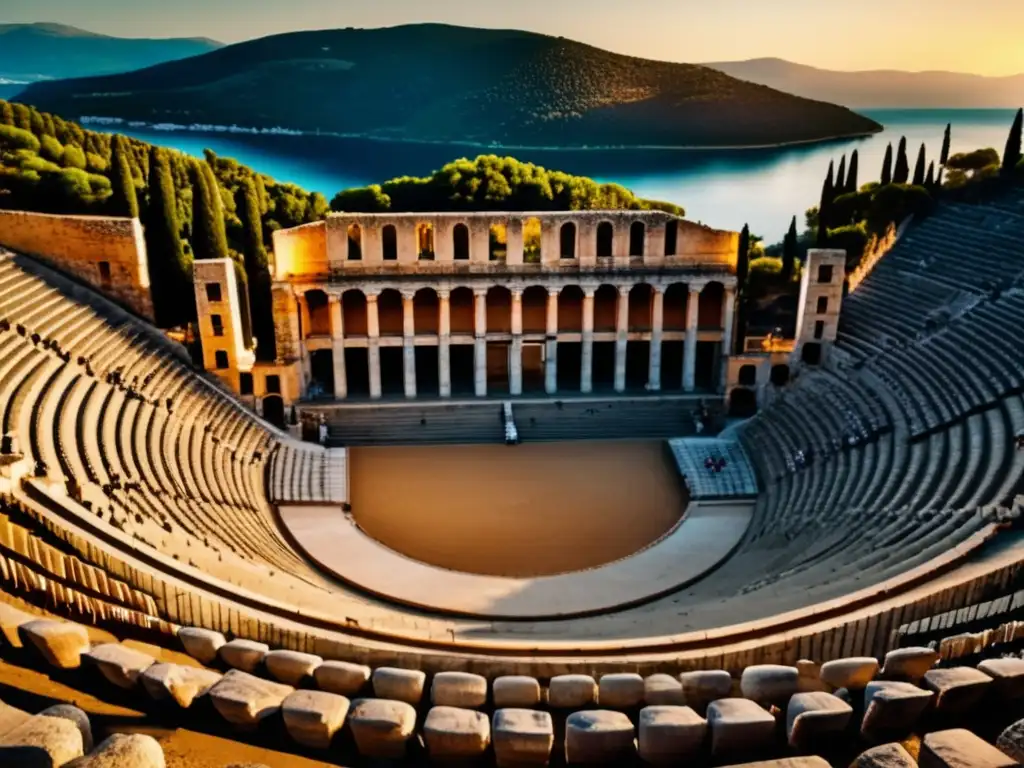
(840, 181)
(901, 172)
(789, 248)
(743, 257)
(123, 200)
(919, 168)
(929, 181)
(887, 166)
(219, 228)
(1012, 153)
(825, 208)
(256, 267)
(851, 173)
(209, 239)
(944, 155)
(169, 269)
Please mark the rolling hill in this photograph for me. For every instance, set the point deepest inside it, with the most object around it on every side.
(32, 52)
(432, 82)
(881, 88)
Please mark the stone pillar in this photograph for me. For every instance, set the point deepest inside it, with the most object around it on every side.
(373, 344)
(587, 351)
(480, 341)
(338, 347)
(514, 242)
(515, 365)
(690, 346)
(444, 339)
(657, 322)
(621, 332)
(408, 344)
(728, 320)
(303, 314)
(551, 344)
(304, 361)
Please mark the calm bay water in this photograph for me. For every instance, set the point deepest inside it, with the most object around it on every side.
(763, 187)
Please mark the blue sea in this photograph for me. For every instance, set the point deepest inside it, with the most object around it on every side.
(722, 188)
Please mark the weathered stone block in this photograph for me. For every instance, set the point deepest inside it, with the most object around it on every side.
(125, 750)
(812, 716)
(1011, 741)
(769, 683)
(244, 700)
(957, 689)
(572, 691)
(738, 727)
(452, 733)
(598, 736)
(885, 756)
(181, 683)
(522, 737)
(60, 642)
(893, 707)
(41, 741)
(458, 689)
(671, 735)
(852, 674)
(381, 727)
(11, 718)
(342, 677)
(313, 717)
(909, 663)
(787, 762)
(201, 644)
(703, 687)
(959, 748)
(623, 690)
(76, 716)
(119, 664)
(399, 684)
(10, 619)
(516, 691)
(1007, 677)
(661, 689)
(291, 667)
(245, 655)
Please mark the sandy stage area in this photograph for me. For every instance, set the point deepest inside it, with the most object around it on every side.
(530, 510)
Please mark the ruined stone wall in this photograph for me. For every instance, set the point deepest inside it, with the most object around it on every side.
(301, 251)
(78, 245)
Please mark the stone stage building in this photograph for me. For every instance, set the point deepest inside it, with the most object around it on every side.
(479, 304)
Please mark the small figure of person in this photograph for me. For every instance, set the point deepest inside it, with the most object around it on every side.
(323, 430)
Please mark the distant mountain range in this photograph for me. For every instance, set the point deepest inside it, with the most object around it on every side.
(32, 52)
(880, 88)
(432, 82)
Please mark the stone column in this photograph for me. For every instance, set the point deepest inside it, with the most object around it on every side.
(657, 322)
(551, 344)
(373, 344)
(515, 366)
(304, 361)
(587, 351)
(690, 346)
(408, 344)
(728, 321)
(621, 332)
(338, 347)
(480, 341)
(444, 339)
(303, 314)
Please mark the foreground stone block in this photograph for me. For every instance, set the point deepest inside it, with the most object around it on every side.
(458, 689)
(181, 683)
(41, 741)
(620, 690)
(522, 737)
(739, 727)
(60, 642)
(291, 667)
(1011, 741)
(125, 750)
(119, 664)
(1007, 677)
(572, 691)
(893, 707)
(702, 688)
(399, 684)
(245, 655)
(313, 717)
(809, 673)
(516, 691)
(201, 644)
(11, 718)
(76, 716)
(909, 663)
(341, 677)
(670, 735)
(852, 674)
(244, 700)
(960, 748)
(957, 689)
(810, 717)
(769, 683)
(381, 727)
(452, 733)
(598, 736)
(885, 756)
(787, 762)
(663, 690)
(10, 619)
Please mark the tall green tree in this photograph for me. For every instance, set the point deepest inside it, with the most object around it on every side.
(743, 257)
(901, 171)
(790, 244)
(124, 200)
(840, 180)
(257, 268)
(825, 208)
(169, 269)
(1012, 153)
(944, 155)
(6, 114)
(929, 181)
(886, 177)
(919, 167)
(209, 239)
(851, 173)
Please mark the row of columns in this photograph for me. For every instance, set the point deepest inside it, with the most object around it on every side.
(516, 357)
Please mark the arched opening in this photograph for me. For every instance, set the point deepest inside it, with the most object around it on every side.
(532, 240)
(319, 313)
(605, 236)
(570, 353)
(499, 320)
(811, 353)
(641, 307)
(460, 242)
(353, 313)
(570, 309)
(497, 243)
(499, 310)
(673, 312)
(426, 311)
(425, 241)
(709, 311)
(567, 240)
(671, 237)
(606, 307)
(273, 410)
(748, 376)
(390, 315)
(742, 403)
(673, 322)
(780, 375)
(637, 238)
(535, 310)
(355, 242)
(463, 316)
(389, 242)
(321, 364)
